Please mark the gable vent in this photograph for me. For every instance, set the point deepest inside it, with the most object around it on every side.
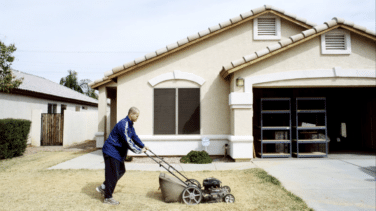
(335, 42)
(267, 27)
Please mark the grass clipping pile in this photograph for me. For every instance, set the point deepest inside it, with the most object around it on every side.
(28, 185)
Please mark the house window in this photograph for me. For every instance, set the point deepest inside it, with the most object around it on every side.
(267, 28)
(52, 108)
(336, 42)
(63, 108)
(84, 108)
(177, 111)
(78, 108)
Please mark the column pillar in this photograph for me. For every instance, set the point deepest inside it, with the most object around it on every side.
(102, 117)
(241, 139)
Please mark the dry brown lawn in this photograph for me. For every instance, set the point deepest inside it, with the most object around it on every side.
(26, 184)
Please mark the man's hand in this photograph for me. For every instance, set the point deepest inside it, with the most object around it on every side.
(144, 149)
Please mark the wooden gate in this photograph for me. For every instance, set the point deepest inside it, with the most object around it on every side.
(52, 130)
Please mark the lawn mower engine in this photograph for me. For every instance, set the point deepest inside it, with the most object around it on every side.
(213, 191)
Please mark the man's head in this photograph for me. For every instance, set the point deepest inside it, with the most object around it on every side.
(133, 114)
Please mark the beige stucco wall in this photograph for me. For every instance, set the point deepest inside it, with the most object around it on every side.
(205, 60)
(307, 56)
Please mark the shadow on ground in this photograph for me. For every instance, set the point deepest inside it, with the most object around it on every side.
(89, 189)
(155, 195)
(370, 170)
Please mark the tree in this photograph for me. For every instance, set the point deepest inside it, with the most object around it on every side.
(71, 81)
(7, 80)
(87, 89)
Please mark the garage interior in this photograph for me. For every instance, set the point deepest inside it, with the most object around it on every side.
(350, 113)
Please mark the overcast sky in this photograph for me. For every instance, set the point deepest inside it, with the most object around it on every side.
(94, 36)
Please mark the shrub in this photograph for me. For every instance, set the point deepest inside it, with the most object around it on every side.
(198, 157)
(13, 137)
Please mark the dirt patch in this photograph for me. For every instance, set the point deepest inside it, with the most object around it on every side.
(87, 146)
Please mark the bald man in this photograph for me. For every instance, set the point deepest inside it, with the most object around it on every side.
(115, 150)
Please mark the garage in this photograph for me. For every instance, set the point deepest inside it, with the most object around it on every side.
(350, 119)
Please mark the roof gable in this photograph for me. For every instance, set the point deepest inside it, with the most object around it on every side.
(43, 86)
(294, 41)
(198, 37)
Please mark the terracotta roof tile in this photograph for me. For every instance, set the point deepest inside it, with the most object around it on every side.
(225, 24)
(117, 69)
(238, 62)
(172, 46)
(251, 57)
(339, 20)
(228, 67)
(236, 19)
(246, 14)
(285, 42)
(290, 15)
(150, 55)
(274, 47)
(262, 52)
(215, 28)
(258, 10)
(204, 32)
(308, 32)
(139, 59)
(331, 23)
(129, 64)
(321, 27)
(278, 10)
(110, 72)
(361, 28)
(161, 51)
(193, 37)
(297, 37)
(183, 41)
(349, 23)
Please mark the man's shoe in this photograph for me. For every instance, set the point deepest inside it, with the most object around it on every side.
(111, 201)
(100, 190)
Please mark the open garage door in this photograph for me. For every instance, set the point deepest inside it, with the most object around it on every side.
(351, 114)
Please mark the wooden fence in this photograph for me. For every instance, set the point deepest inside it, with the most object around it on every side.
(52, 129)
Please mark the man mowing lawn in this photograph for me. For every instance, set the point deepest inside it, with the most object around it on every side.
(115, 150)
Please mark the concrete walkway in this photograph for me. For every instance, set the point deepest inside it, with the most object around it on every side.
(94, 160)
(340, 182)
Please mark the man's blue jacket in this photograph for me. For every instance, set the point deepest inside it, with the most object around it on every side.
(122, 138)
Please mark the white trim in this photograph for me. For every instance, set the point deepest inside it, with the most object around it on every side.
(241, 106)
(336, 32)
(230, 138)
(181, 137)
(336, 72)
(277, 26)
(177, 74)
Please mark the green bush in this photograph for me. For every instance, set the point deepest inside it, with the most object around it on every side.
(198, 157)
(13, 137)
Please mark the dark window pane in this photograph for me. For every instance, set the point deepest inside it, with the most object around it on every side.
(189, 111)
(164, 111)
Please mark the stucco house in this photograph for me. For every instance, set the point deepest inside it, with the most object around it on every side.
(267, 83)
(37, 96)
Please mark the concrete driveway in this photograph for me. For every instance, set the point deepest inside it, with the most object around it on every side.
(340, 182)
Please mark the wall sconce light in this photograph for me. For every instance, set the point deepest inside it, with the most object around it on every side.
(240, 82)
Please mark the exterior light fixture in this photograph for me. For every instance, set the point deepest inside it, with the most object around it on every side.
(240, 82)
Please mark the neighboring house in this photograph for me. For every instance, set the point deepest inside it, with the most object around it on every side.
(36, 96)
(211, 85)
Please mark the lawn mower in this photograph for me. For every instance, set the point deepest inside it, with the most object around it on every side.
(190, 191)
